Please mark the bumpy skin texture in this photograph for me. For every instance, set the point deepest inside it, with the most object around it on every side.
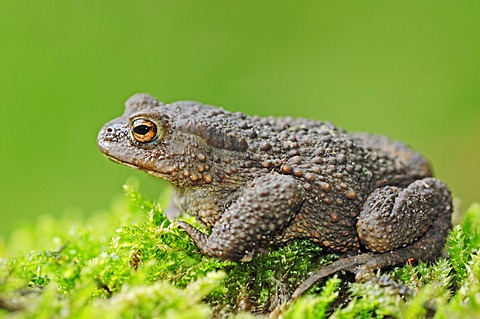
(257, 182)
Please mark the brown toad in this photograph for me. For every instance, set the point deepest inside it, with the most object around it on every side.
(258, 181)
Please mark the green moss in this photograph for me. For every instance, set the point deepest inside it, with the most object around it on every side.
(131, 262)
(315, 306)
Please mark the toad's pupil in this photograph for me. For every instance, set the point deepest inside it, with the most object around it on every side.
(142, 129)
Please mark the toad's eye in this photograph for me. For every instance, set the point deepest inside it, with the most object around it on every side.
(144, 131)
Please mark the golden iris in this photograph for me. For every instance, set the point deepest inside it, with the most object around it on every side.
(144, 130)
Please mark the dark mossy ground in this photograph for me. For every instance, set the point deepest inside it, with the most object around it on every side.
(131, 262)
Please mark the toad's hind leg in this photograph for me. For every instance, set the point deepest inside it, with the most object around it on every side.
(363, 264)
(397, 224)
(405, 223)
(262, 210)
(394, 217)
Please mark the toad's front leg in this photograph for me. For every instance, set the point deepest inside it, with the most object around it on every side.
(261, 211)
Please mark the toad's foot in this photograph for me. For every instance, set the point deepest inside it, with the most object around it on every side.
(362, 265)
(263, 209)
(428, 195)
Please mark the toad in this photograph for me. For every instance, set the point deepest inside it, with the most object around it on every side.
(263, 181)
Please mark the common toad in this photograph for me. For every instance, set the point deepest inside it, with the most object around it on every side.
(257, 182)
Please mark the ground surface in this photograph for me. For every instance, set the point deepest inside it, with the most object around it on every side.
(130, 262)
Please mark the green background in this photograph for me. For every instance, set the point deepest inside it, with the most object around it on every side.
(407, 69)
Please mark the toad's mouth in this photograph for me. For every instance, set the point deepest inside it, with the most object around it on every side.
(118, 161)
(143, 169)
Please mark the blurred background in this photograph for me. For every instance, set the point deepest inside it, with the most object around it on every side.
(409, 69)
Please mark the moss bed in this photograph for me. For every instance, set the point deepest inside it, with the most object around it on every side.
(131, 262)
